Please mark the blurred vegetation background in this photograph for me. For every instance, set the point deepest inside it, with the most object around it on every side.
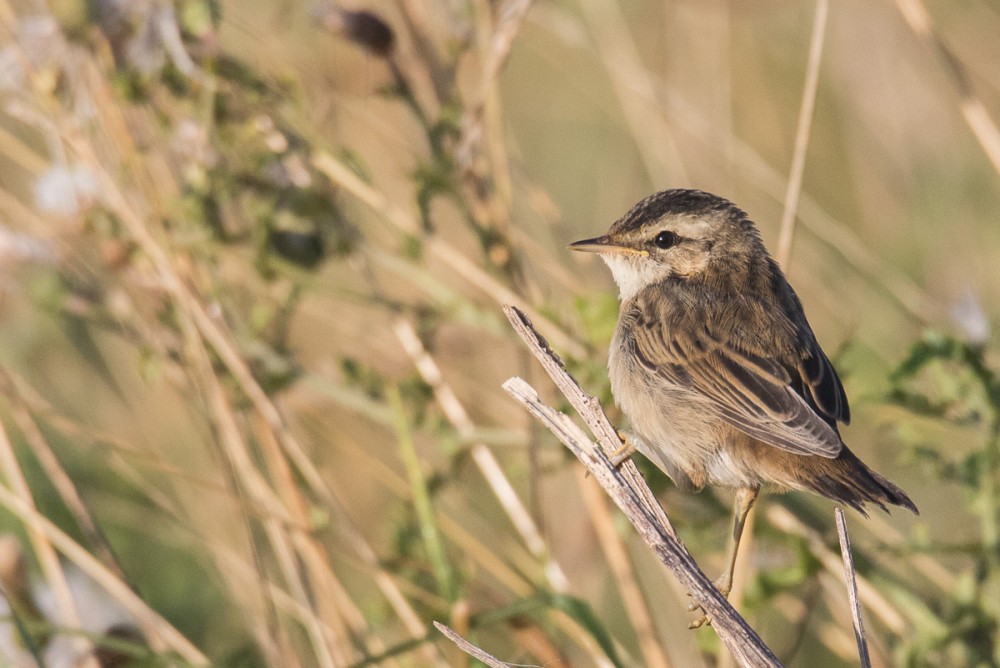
(252, 257)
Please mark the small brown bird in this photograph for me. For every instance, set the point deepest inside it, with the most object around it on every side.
(716, 367)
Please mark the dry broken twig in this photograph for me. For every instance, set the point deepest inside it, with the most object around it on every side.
(629, 491)
(469, 648)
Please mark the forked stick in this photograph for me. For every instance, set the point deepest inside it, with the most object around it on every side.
(629, 491)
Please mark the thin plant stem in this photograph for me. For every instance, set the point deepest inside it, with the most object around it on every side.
(875, 601)
(837, 236)
(51, 567)
(441, 249)
(990, 515)
(487, 463)
(105, 578)
(786, 236)
(423, 507)
(60, 479)
(653, 651)
(471, 649)
(802, 134)
(974, 112)
(636, 89)
(852, 589)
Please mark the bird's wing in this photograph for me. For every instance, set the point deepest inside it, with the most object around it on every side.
(790, 400)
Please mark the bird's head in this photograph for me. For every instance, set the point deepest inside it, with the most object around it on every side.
(676, 234)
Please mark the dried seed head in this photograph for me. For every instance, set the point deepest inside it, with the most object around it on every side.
(361, 27)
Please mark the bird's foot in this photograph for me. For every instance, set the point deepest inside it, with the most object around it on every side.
(701, 621)
(623, 453)
(724, 585)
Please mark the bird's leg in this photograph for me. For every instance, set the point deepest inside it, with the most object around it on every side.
(745, 498)
(625, 451)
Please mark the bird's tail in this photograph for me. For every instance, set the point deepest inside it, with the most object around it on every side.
(849, 480)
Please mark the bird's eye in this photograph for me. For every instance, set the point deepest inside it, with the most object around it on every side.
(665, 239)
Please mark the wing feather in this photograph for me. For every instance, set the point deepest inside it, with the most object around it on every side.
(791, 400)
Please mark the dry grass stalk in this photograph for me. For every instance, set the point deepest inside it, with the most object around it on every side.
(653, 652)
(42, 545)
(249, 479)
(973, 110)
(199, 326)
(637, 91)
(486, 557)
(440, 249)
(58, 477)
(510, 16)
(852, 589)
(802, 134)
(440, 76)
(163, 632)
(786, 236)
(502, 489)
(471, 649)
(840, 238)
(876, 602)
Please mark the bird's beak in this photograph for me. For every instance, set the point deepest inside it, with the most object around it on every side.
(605, 244)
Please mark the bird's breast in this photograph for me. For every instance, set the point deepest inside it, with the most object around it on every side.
(676, 427)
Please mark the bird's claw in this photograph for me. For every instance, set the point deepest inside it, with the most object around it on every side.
(724, 588)
(623, 453)
(700, 622)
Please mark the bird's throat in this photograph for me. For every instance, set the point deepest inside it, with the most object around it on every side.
(632, 273)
